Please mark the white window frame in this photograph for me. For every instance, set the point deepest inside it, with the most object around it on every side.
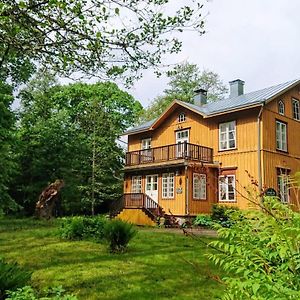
(168, 185)
(226, 185)
(296, 109)
(181, 118)
(224, 133)
(136, 184)
(281, 108)
(182, 135)
(199, 186)
(146, 144)
(283, 188)
(281, 136)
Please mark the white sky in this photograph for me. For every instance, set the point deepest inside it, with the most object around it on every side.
(254, 40)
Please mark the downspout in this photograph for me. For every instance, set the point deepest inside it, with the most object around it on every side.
(186, 191)
(259, 148)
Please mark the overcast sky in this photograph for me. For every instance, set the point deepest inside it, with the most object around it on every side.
(254, 40)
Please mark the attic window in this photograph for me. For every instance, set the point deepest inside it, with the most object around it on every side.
(181, 118)
(281, 107)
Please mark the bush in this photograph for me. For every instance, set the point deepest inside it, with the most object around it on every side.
(78, 228)
(28, 293)
(118, 234)
(261, 251)
(203, 220)
(12, 277)
(221, 214)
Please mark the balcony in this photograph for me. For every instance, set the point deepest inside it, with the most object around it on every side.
(172, 152)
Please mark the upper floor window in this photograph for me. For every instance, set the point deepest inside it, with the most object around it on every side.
(199, 186)
(227, 188)
(296, 109)
(181, 118)
(281, 136)
(227, 136)
(281, 107)
(146, 143)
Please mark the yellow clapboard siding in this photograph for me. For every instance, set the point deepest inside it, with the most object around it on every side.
(135, 216)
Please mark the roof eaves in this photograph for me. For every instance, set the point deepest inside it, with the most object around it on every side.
(283, 91)
(234, 109)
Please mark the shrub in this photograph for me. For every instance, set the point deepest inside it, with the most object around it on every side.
(262, 252)
(28, 293)
(78, 228)
(203, 220)
(12, 277)
(221, 214)
(118, 234)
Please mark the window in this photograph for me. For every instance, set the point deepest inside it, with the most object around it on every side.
(281, 107)
(146, 153)
(199, 186)
(146, 143)
(296, 109)
(168, 185)
(281, 139)
(283, 183)
(227, 188)
(227, 137)
(182, 135)
(181, 118)
(136, 184)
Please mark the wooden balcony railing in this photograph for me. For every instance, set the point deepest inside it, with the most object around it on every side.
(170, 152)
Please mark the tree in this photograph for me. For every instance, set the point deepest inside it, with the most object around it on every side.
(184, 79)
(105, 38)
(70, 132)
(7, 140)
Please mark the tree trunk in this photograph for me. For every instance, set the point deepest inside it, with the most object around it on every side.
(45, 206)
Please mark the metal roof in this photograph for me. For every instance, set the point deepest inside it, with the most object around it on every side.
(243, 101)
(140, 128)
(228, 104)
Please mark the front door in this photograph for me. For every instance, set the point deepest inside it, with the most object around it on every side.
(151, 187)
(182, 138)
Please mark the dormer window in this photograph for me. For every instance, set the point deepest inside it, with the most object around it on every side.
(181, 118)
(281, 107)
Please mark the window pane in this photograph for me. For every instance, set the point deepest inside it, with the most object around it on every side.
(232, 144)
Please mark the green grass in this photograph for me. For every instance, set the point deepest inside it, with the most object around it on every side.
(157, 265)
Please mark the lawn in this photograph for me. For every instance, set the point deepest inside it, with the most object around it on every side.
(158, 265)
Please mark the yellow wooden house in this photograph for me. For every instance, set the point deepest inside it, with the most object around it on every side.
(195, 155)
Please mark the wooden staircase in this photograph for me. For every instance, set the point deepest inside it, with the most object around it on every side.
(137, 201)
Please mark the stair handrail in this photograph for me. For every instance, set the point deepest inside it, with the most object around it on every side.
(116, 206)
(151, 204)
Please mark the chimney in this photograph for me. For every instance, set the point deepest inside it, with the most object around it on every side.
(200, 97)
(236, 88)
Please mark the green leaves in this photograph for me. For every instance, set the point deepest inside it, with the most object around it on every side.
(262, 252)
(71, 132)
(183, 80)
(62, 35)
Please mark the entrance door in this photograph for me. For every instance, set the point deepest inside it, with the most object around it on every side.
(182, 138)
(152, 187)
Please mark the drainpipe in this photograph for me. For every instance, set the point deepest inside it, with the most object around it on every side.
(186, 191)
(259, 148)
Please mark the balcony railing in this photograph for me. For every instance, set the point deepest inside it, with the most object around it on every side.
(170, 152)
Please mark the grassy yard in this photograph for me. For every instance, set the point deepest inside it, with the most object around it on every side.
(157, 265)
